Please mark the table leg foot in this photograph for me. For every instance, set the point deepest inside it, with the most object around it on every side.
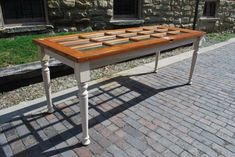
(86, 141)
(50, 110)
(190, 83)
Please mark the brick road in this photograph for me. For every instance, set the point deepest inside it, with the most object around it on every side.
(142, 115)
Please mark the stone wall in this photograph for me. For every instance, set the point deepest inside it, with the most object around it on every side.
(177, 12)
(96, 14)
(226, 15)
(181, 13)
(81, 14)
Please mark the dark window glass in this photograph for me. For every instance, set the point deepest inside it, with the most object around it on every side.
(209, 9)
(22, 10)
(126, 8)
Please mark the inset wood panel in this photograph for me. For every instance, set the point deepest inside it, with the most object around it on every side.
(104, 38)
(146, 32)
(87, 46)
(91, 35)
(134, 30)
(72, 38)
(117, 41)
(141, 37)
(115, 32)
(75, 42)
(127, 35)
(159, 35)
(150, 28)
(173, 32)
(161, 30)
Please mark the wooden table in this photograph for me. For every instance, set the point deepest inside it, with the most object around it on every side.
(87, 51)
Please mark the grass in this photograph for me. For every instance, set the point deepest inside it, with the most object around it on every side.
(219, 37)
(213, 38)
(20, 49)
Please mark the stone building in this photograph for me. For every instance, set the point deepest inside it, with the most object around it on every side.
(39, 15)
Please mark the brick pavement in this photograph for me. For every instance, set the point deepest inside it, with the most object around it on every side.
(142, 115)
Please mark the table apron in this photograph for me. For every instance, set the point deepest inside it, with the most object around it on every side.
(137, 53)
(60, 58)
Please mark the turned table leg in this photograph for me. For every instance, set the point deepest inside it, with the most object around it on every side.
(156, 61)
(83, 97)
(46, 77)
(194, 59)
(82, 77)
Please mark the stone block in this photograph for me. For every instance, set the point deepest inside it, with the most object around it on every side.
(102, 3)
(53, 4)
(83, 3)
(109, 12)
(68, 3)
(148, 1)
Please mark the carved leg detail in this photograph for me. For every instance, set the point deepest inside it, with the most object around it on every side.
(194, 59)
(46, 79)
(156, 62)
(83, 97)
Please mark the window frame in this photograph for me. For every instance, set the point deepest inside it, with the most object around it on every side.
(24, 21)
(1, 17)
(138, 15)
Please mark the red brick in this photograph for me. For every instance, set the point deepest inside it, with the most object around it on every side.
(83, 152)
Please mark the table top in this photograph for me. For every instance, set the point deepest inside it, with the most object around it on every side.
(94, 45)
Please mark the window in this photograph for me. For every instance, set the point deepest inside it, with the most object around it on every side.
(126, 9)
(209, 9)
(22, 11)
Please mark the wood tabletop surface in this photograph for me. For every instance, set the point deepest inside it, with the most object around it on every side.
(95, 45)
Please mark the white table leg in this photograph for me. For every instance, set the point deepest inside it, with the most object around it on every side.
(156, 61)
(82, 77)
(83, 98)
(194, 59)
(46, 78)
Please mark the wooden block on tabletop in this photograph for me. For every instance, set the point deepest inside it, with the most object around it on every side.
(104, 38)
(88, 46)
(117, 41)
(159, 35)
(160, 30)
(147, 28)
(91, 35)
(141, 37)
(75, 42)
(115, 32)
(65, 39)
(125, 35)
(146, 32)
(173, 32)
(134, 30)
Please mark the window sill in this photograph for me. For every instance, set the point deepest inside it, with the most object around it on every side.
(208, 19)
(126, 22)
(10, 29)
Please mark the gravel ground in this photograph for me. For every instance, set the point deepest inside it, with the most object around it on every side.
(36, 90)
